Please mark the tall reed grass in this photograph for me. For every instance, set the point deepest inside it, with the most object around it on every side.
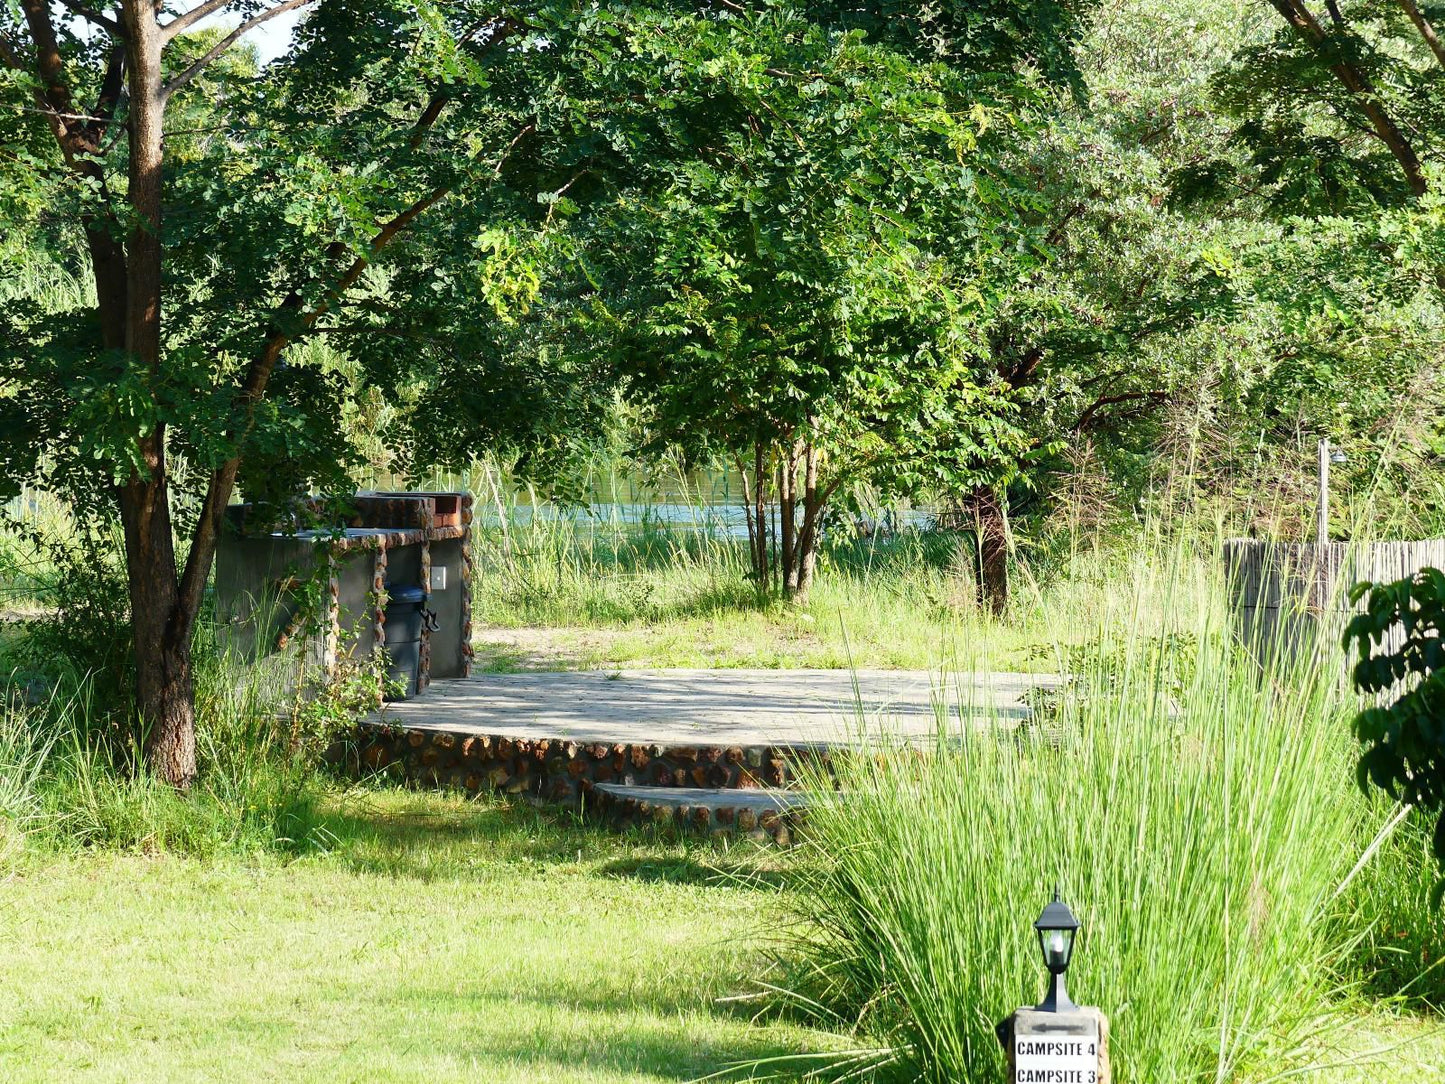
(1199, 815)
(67, 778)
(23, 757)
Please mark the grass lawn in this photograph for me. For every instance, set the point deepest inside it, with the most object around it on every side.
(835, 631)
(1380, 1047)
(658, 599)
(572, 601)
(438, 940)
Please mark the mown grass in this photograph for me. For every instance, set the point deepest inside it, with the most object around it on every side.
(660, 596)
(278, 923)
(440, 939)
(437, 939)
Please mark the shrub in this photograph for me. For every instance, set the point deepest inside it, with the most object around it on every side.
(69, 696)
(1404, 731)
(76, 573)
(23, 755)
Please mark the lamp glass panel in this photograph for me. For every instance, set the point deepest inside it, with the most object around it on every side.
(1058, 946)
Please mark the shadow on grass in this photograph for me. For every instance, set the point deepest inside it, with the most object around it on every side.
(606, 1034)
(399, 833)
(434, 836)
(721, 870)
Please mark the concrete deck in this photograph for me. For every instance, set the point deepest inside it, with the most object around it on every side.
(714, 707)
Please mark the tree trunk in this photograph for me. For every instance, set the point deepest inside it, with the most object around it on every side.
(787, 519)
(758, 525)
(749, 517)
(810, 533)
(991, 534)
(165, 694)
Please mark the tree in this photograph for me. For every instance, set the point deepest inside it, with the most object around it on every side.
(1219, 333)
(1337, 112)
(231, 218)
(801, 290)
(1336, 124)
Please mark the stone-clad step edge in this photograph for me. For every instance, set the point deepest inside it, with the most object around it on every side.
(557, 769)
(767, 816)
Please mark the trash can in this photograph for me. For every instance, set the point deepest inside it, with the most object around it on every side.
(405, 616)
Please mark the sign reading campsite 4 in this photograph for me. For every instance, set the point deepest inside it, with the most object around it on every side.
(1055, 1060)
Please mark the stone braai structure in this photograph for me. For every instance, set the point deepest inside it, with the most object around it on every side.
(388, 539)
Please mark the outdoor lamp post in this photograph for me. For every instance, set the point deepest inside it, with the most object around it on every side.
(1056, 928)
(1056, 1041)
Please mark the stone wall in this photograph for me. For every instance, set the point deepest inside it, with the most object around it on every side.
(726, 813)
(557, 770)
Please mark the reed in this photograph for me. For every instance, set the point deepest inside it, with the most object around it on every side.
(1199, 815)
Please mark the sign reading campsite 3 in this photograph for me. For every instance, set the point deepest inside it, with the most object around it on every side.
(1055, 1060)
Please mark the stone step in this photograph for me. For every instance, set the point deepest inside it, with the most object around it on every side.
(765, 815)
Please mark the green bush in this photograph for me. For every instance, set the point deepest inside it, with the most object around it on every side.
(76, 574)
(70, 742)
(62, 783)
(1403, 731)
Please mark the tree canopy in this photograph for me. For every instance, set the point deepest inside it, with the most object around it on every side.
(944, 251)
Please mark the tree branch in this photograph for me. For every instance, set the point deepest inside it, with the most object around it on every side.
(53, 96)
(223, 480)
(1087, 417)
(288, 323)
(1426, 30)
(1019, 374)
(93, 16)
(8, 54)
(501, 28)
(183, 22)
(1358, 84)
(1056, 234)
(180, 80)
(427, 119)
(93, 132)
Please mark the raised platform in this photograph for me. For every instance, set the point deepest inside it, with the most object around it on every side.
(713, 707)
(563, 737)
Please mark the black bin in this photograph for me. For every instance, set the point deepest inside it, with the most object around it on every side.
(405, 615)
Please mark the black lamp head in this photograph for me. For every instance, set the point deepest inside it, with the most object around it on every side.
(1056, 928)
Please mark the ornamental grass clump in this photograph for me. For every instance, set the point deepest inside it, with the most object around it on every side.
(1199, 829)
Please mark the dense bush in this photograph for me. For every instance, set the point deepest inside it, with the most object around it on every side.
(1404, 731)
